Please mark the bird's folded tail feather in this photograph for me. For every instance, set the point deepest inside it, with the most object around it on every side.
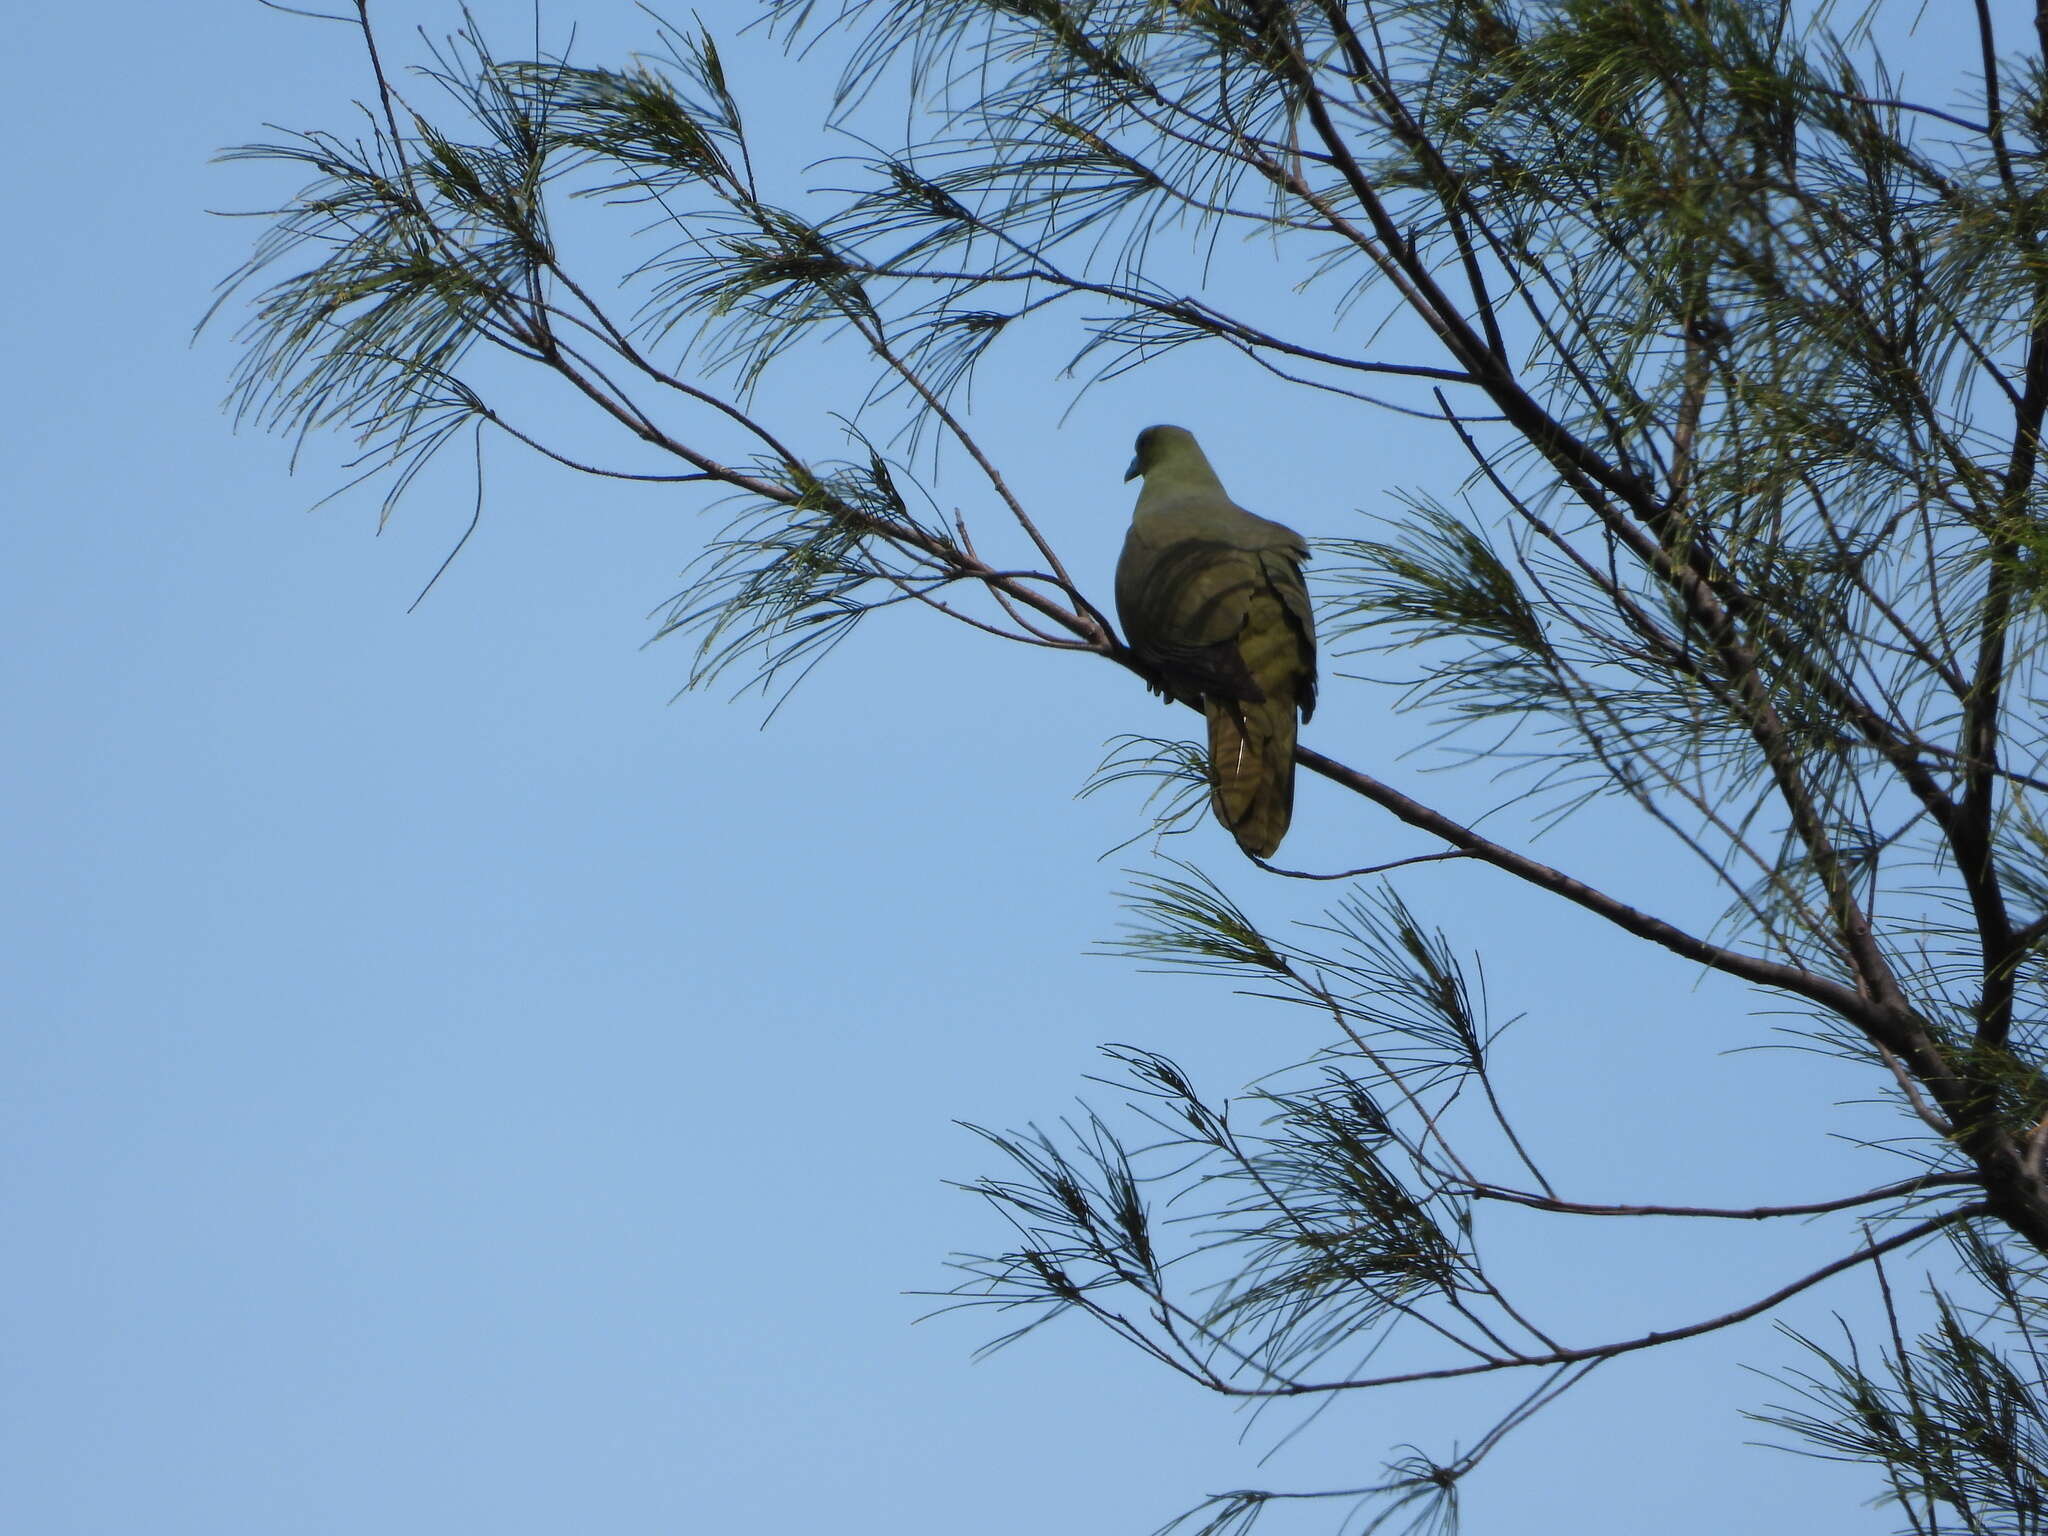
(1251, 768)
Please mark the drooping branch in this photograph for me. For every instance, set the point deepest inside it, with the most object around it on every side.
(1918, 1232)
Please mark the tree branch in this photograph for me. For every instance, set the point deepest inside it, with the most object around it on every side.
(1903, 1187)
(1784, 1293)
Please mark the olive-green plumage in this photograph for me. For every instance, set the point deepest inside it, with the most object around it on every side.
(1212, 601)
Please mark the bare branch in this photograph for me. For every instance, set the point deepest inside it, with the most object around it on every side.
(1904, 1188)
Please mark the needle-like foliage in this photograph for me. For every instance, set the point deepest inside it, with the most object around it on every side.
(1740, 346)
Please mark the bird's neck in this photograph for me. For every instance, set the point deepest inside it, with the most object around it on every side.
(1190, 479)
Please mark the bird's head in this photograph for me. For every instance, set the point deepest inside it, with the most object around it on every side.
(1159, 445)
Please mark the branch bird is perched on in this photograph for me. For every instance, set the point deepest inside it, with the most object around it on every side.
(1212, 602)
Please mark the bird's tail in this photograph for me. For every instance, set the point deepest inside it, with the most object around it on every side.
(1251, 768)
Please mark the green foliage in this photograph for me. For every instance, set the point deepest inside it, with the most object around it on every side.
(1956, 1419)
(1336, 1214)
(782, 585)
(1747, 354)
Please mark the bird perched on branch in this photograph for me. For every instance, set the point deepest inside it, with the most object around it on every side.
(1213, 605)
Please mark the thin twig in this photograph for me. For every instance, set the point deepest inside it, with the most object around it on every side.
(1368, 869)
(1902, 1188)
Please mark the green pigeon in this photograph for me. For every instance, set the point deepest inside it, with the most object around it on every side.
(1213, 605)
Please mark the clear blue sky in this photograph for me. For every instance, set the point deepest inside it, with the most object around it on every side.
(448, 1087)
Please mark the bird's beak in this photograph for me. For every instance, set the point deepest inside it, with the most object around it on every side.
(1133, 472)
